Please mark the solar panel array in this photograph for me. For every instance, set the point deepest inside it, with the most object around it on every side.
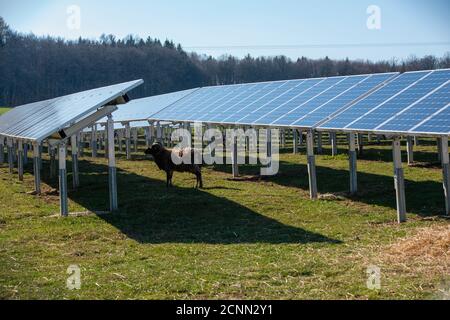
(414, 102)
(37, 121)
(285, 103)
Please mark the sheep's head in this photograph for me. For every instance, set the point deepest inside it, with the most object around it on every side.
(154, 150)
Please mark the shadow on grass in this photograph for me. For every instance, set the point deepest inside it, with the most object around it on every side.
(151, 213)
(424, 198)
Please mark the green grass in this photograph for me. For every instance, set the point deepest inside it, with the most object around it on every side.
(4, 110)
(234, 239)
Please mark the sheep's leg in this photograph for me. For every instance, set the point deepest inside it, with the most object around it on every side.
(198, 174)
(171, 178)
(168, 179)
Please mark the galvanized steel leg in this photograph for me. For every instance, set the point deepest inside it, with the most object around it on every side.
(10, 155)
(2, 150)
(36, 169)
(159, 133)
(63, 201)
(439, 147)
(52, 162)
(334, 148)
(113, 202)
(311, 165)
(234, 158)
(20, 160)
(75, 174)
(399, 181)
(319, 142)
(410, 150)
(128, 141)
(360, 144)
(135, 140)
(40, 155)
(353, 164)
(445, 173)
(94, 142)
(295, 142)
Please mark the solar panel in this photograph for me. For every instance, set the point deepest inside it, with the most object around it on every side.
(37, 121)
(344, 98)
(385, 111)
(438, 123)
(388, 102)
(420, 112)
(142, 109)
(233, 106)
(357, 111)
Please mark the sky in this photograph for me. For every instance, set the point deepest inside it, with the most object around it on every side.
(315, 29)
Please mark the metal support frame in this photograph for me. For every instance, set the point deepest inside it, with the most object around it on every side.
(399, 179)
(410, 150)
(112, 176)
(295, 140)
(445, 173)
(2, 150)
(311, 165)
(147, 134)
(40, 148)
(135, 139)
(334, 146)
(25, 154)
(63, 200)
(36, 169)
(9, 143)
(80, 145)
(74, 153)
(300, 137)
(360, 144)
(128, 140)
(283, 138)
(159, 132)
(439, 148)
(234, 158)
(120, 139)
(94, 141)
(52, 152)
(152, 133)
(20, 159)
(353, 164)
(319, 143)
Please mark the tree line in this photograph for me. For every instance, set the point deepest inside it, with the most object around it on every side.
(36, 68)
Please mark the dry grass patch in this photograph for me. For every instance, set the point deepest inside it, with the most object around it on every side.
(428, 248)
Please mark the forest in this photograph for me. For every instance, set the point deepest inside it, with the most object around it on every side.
(35, 68)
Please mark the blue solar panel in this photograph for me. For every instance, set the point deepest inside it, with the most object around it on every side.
(218, 110)
(361, 108)
(290, 111)
(248, 106)
(330, 108)
(440, 123)
(420, 111)
(385, 111)
(272, 100)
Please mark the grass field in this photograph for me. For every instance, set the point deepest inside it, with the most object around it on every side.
(4, 110)
(234, 239)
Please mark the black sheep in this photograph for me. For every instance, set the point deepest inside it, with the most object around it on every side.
(163, 159)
